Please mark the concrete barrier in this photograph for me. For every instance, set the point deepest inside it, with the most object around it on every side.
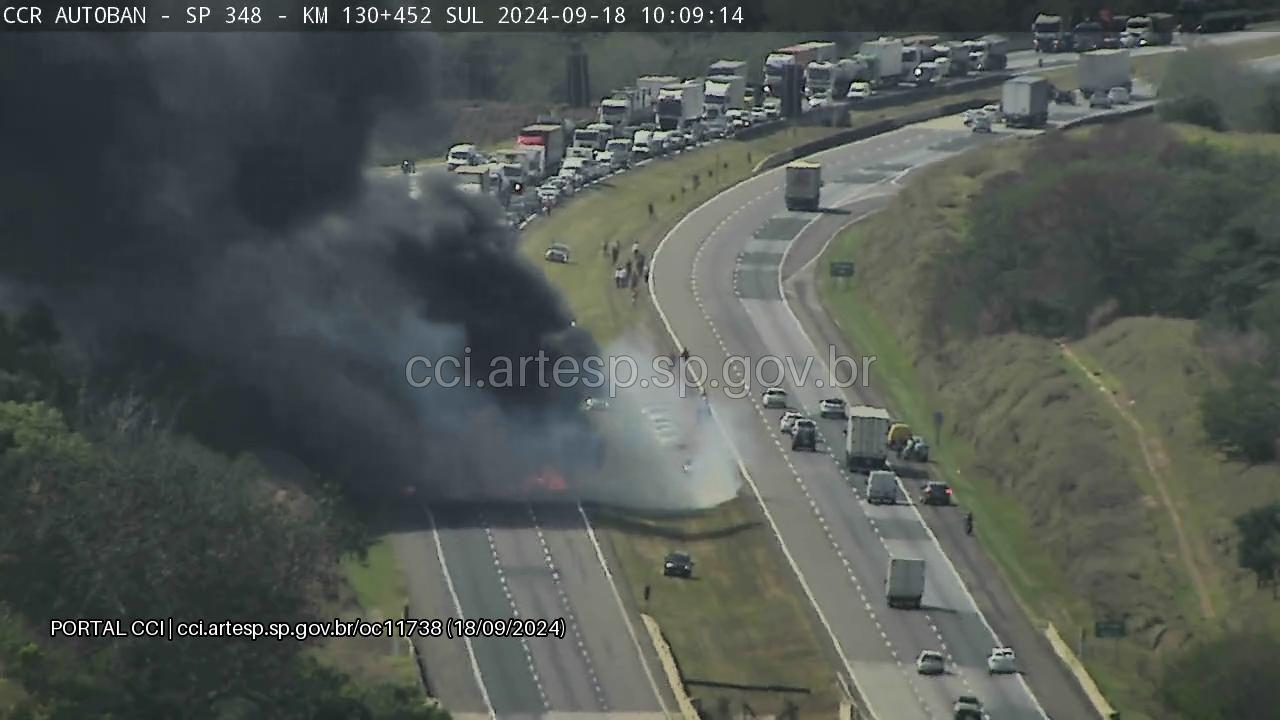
(669, 666)
(1069, 659)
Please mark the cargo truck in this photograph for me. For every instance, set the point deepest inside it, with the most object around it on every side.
(591, 137)
(866, 442)
(652, 84)
(882, 488)
(1050, 35)
(803, 186)
(904, 588)
(957, 56)
(727, 68)
(679, 105)
(801, 55)
(831, 80)
(727, 92)
(551, 138)
(1024, 101)
(642, 145)
(887, 61)
(1152, 29)
(988, 53)
(628, 106)
(1087, 36)
(1101, 70)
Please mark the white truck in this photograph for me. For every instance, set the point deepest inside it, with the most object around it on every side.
(619, 150)
(803, 185)
(866, 443)
(831, 80)
(904, 588)
(628, 106)
(651, 85)
(926, 74)
(801, 55)
(520, 166)
(882, 488)
(679, 105)
(957, 54)
(642, 145)
(1152, 29)
(1101, 70)
(988, 53)
(725, 91)
(727, 68)
(887, 54)
(1024, 101)
(592, 137)
(475, 179)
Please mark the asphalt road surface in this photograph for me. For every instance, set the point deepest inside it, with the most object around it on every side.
(716, 279)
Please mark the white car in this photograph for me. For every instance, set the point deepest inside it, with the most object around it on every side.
(1100, 100)
(557, 254)
(859, 91)
(931, 662)
(1002, 661)
(832, 408)
(1118, 96)
(788, 421)
(759, 116)
(774, 398)
(593, 404)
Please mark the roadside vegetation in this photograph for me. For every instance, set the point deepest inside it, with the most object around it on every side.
(106, 513)
(1095, 314)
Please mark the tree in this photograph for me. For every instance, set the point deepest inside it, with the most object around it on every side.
(1258, 549)
(1228, 678)
(1243, 416)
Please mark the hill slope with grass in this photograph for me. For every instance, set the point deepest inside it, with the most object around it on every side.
(1068, 303)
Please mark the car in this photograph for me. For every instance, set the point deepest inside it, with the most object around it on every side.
(833, 408)
(594, 404)
(690, 139)
(678, 564)
(788, 421)
(967, 707)
(931, 662)
(804, 435)
(859, 91)
(759, 116)
(1118, 96)
(1002, 661)
(936, 493)
(980, 123)
(774, 398)
(1100, 100)
(557, 254)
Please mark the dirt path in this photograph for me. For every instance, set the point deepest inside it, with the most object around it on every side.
(1157, 462)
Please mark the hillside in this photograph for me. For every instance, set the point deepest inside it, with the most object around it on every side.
(1096, 507)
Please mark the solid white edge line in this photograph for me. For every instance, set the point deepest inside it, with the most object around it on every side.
(635, 639)
(742, 467)
(448, 581)
(933, 538)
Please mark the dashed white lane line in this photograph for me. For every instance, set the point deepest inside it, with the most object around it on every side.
(569, 615)
(515, 612)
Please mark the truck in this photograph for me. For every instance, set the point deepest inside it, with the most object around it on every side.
(831, 80)
(620, 152)
(1087, 36)
(592, 137)
(551, 138)
(651, 85)
(628, 106)
(642, 145)
(1151, 29)
(803, 185)
(988, 53)
(462, 155)
(882, 488)
(1101, 70)
(476, 179)
(956, 54)
(679, 104)
(886, 54)
(925, 74)
(724, 91)
(904, 587)
(727, 68)
(1024, 101)
(866, 442)
(520, 166)
(1050, 35)
(911, 59)
(776, 62)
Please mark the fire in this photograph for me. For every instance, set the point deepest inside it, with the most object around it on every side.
(549, 479)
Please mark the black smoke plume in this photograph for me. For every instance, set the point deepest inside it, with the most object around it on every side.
(198, 205)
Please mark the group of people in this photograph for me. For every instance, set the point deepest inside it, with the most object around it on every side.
(630, 273)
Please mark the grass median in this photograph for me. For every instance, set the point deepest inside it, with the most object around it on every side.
(743, 621)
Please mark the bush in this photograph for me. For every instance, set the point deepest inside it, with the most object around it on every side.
(1243, 416)
(1228, 678)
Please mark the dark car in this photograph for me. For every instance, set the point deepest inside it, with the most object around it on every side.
(936, 493)
(804, 435)
(678, 564)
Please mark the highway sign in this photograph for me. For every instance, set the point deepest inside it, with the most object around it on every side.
(842, 269)
(1109, 629)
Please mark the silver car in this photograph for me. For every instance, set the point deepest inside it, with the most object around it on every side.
(931, 662)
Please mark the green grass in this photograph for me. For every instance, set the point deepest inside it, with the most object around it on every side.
(1052, 474)
(374, 590)
(617, 210)
(742, 619)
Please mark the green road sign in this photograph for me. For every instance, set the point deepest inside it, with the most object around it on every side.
(842, 269)
(1109, 628)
